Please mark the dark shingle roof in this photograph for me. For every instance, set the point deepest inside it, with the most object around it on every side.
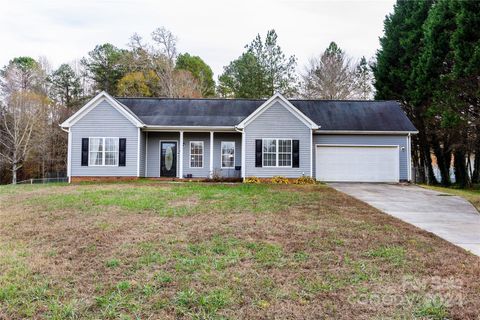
(328, 114)
(355, 115)
(191, 112)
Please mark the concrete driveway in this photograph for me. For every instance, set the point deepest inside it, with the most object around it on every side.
(449, 217)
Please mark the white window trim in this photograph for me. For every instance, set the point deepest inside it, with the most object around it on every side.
(190, 153)
(103, 152)
(276, 153)
(221, 154)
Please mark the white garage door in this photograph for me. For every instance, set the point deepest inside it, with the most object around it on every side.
(357, 163)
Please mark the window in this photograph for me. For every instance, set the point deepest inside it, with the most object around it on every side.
(269, 152)
(103, 151)
(196, 154)
(228, 154)
(284, 153)
(277, 153)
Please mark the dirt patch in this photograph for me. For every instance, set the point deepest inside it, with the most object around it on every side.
(191, 201)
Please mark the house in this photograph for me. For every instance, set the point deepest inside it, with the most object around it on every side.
(368, 141)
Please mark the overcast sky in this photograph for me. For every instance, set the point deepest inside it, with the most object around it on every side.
(65, 30)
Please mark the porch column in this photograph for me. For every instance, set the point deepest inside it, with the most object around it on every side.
(180, 161)
(211, 154)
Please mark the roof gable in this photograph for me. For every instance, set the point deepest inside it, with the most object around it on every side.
(102, 96)
(277, 97)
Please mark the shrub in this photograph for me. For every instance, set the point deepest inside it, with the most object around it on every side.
(305, 180)
(252, 180)
(216, 175)
(280, 180)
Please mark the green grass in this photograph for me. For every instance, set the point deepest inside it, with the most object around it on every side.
(177, 200)
(208, 260)
(22, 188)
(433, 309)
(112, 263)
(24, 292)
(392, 254)
(197, 305)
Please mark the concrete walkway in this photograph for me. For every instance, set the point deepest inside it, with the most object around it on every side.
(449, 217)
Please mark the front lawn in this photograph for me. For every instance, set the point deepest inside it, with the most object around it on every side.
(221, 251)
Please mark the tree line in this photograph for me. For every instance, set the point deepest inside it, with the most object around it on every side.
(35, 98)
(430, 61)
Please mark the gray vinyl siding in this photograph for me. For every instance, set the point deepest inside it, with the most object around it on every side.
(153, 150)
(217, 156)
(104, 121)
(277, 122)
(142, 153)
(400, 140)
(196, 136)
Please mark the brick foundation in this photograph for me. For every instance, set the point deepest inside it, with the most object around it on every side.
(101, 179)
(269, 180)
(120, 179)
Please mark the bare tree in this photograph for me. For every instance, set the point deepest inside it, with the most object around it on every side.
(18, 118)
(85, 82)
(166, 42)
(329, 76)
(164, 54)
(186, 86)
(49, 141)
(334, 75)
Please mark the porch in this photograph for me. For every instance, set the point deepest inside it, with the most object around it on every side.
(190, 154)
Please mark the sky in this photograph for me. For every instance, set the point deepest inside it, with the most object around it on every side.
(215, 30)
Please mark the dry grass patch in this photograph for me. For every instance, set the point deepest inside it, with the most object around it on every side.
(211, 251)
(184, 202)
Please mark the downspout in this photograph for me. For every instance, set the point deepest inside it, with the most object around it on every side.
(243, 152)
(313, 152)
(409, 157)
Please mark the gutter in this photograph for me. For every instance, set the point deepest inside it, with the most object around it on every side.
(192, 128)
(364, 132)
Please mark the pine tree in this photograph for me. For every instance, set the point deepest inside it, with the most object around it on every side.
(400, 49)
(260, 71)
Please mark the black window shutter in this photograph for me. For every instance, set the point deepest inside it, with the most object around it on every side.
(258, 153)
(122, 146)
(84, 152)
(295, 153)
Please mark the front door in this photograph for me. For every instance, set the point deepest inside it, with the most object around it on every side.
(168, 159)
